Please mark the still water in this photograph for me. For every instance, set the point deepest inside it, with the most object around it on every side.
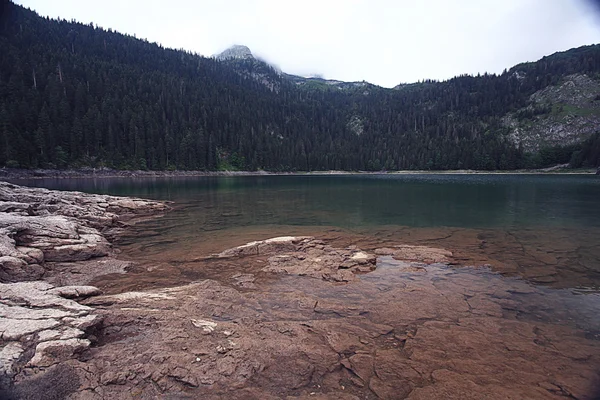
(466, 201)
(544, 228)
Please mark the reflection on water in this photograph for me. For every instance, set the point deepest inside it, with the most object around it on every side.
(541, 227)
(484, 201)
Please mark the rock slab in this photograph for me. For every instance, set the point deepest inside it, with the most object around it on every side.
(39, 227)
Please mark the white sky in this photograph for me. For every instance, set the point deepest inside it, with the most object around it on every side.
(385, 42)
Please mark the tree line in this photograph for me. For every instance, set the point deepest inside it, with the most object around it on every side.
(75, 95)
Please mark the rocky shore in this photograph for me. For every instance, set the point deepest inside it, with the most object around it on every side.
(21, 174)
(50, 241)
(292, 317)
(40, 230)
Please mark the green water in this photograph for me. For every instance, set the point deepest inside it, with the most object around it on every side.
(432, 200)
(543, 228)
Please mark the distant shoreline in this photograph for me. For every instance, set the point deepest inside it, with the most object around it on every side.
(16, 174)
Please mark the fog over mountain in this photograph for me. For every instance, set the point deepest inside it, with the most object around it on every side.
(385, 42)
(75, 95)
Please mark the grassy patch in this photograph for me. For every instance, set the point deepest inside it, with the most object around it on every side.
(562, 110)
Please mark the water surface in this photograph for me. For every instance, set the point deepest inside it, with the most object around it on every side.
(419, 200)
(541, 227)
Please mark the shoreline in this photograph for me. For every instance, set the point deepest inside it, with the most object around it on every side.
(52, 244)
(7, 174)
(287, 317)
(41, 229)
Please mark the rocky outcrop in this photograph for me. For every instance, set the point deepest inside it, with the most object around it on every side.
(236, 52)
(39, 227)
(60, 237)
(307, 256)
(558, 115)
(42, 325)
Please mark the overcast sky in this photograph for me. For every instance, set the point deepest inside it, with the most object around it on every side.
(385, 42)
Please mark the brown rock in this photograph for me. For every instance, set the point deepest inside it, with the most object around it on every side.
(362, 366)
(428, 255)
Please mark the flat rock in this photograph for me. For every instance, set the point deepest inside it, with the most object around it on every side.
(391, 334)
(306, 256)
(72, 292)
(14, 329)
(37, 316)
(40, 226)
(268, 246)
(424, 254)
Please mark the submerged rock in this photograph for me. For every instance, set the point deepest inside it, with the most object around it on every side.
(395, 334)
(267, 246)
(424, 254)
(306, 256)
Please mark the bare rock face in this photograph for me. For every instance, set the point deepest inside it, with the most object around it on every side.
(40, 327)
(237, 51)
(40, 226)
(571, 115)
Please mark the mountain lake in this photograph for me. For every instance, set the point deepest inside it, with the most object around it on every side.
(532, 238)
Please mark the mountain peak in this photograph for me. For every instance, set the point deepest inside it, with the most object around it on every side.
(237, 52)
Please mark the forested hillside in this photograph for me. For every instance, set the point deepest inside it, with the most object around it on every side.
(75, 95)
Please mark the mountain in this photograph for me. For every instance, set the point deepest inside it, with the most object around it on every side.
(75, 95)
(326, 84)
(241, 58)
(236, 52)
(565, 113)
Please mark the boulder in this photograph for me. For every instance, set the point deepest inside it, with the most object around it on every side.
(9, 354)
(53, 351)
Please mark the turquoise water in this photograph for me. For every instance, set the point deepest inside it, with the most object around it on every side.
(544, 228)
(426, 200)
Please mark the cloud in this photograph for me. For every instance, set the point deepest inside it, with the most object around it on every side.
(382, 41)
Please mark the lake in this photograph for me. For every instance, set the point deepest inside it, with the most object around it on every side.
(542, 227)
(419, 200)
(523, 288)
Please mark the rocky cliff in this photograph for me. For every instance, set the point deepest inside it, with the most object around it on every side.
(235, 52)
(563, 114)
